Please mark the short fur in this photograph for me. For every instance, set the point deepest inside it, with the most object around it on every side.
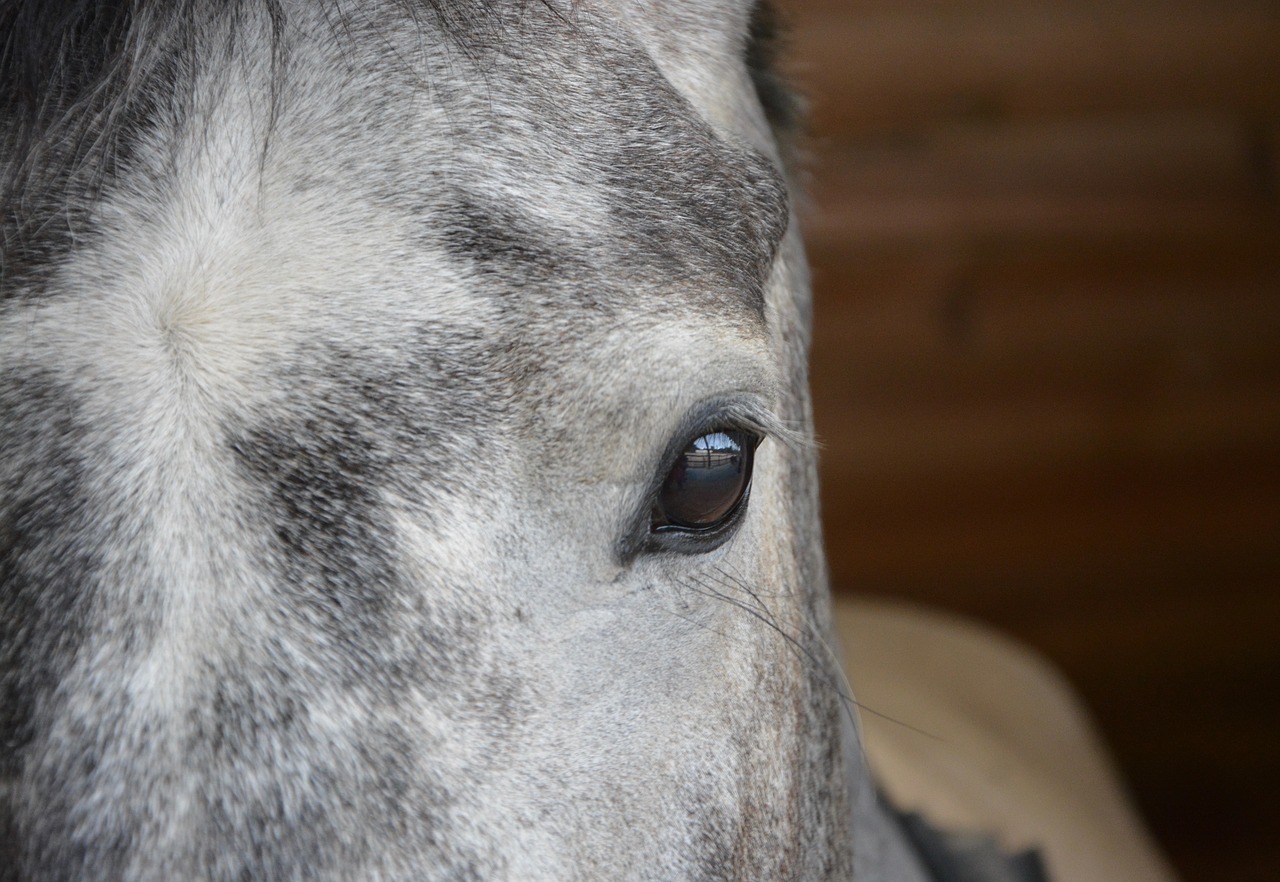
(340, 343)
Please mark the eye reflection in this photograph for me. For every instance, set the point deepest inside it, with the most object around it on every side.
(707, 482)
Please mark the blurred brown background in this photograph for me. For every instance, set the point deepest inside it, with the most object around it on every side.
(1046, 250)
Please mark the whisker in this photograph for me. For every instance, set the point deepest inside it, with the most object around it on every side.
(843, 688)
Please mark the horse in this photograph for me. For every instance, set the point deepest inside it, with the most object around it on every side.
(406, 462)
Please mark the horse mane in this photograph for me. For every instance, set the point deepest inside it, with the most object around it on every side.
(78, 78)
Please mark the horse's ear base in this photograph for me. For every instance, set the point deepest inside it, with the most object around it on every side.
(766, 42)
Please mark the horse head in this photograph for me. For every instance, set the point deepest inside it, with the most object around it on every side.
(406, 451)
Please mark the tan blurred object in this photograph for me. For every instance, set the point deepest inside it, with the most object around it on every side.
(977, 733)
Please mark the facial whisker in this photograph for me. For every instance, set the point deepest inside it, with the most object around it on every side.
(843, 688)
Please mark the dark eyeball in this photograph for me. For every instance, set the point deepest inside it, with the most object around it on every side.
(708, 482)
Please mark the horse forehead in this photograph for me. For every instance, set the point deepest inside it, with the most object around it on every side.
(491, 209)
(473, 223)
(560, 159)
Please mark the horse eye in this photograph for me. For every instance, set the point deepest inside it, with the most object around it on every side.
(708, 482)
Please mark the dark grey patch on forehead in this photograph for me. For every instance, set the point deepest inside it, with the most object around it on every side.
(329, 532)
(696, 199)
(364, 425)
(693, 213)
(341, 622)
(354, 431)
(497, 241)
(700, 206)
(345, 796)
(50, 541)
(54, 606)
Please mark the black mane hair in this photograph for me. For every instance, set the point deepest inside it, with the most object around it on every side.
(78, 79)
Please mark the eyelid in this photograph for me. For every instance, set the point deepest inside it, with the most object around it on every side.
(751, 415)
(745, 413)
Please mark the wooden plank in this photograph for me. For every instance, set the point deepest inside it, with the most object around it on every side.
(958, 537)
(959, 427)
(1177, 643)
(1191, 299)
(1186, 302)
(1138, 178)
(950, 220)
(883, 70)
(1137, 155)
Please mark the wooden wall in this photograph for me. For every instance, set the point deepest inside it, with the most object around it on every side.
(1046, 250)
